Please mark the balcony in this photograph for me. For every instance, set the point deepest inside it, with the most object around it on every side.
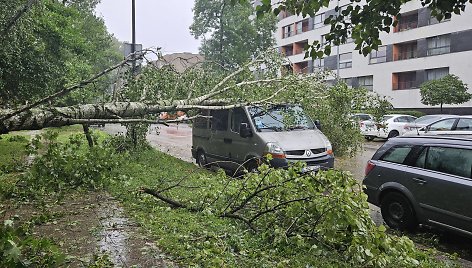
(407, 22)
(404, 85)
(405, 26)
(404, 80)
(288, 34)
(406, 55)
(405, 51)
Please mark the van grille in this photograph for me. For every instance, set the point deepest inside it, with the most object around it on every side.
(296, 152)
(318, 151)
(302, 152)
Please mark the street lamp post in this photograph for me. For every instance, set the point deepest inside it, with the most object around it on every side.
(133, 32)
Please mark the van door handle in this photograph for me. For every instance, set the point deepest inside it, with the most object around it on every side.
(419, 181)
(228, 140)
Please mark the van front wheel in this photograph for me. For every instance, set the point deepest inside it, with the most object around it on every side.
(201, 159)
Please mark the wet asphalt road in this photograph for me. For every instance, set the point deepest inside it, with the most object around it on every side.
(176, 140)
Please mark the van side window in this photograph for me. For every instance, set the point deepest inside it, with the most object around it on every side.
(219, 120)
(201, 122)
(397, 154)
(453, 161)
(238, 117)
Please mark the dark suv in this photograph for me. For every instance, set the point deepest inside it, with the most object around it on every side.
(423, 180)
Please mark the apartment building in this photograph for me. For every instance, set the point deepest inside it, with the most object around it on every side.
(418, 49)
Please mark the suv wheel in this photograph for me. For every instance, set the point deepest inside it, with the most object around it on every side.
(393, 134)
(201, 159)
(397, 212)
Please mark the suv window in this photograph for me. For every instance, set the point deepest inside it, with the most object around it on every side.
(443, 125)
(238, 117)
(219, 120)
(397, 154)
(453, 161)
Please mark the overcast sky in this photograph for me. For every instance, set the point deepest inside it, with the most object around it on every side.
(159, 23)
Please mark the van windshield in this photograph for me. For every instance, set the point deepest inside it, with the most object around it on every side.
(280, 118)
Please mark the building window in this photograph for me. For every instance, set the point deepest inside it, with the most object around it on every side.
(405, 51)
(345, 60)
(406, 80)
(407, 22)
(287, 50)
(378, 56)
(318, 64)
(439, 45)
(348, 82)
(302, 26)
(434, 74)
(287, 31)
(318, 20)
(366, 82)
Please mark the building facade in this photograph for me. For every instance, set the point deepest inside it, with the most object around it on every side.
(418, 49)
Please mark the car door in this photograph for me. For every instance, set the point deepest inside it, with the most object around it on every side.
(238, 147)
(440, 180)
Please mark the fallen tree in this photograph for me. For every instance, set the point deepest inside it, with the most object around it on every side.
(326, 211)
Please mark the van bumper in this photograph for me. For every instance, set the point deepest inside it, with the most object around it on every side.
(325, 162)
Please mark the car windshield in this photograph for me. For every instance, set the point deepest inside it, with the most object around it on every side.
(280, 118)
(427, 119)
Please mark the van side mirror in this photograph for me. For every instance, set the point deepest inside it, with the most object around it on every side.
(244, 130)
(318, 124)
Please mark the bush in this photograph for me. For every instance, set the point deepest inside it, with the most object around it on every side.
(19, 249)
(70, 165)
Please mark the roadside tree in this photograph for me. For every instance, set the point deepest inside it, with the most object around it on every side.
(231, 34)
(447, 90)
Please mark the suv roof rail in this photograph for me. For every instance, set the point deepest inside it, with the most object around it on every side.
(442, 137)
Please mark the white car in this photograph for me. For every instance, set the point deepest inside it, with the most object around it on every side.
(423, 121)
(451, 126)
(391, 125)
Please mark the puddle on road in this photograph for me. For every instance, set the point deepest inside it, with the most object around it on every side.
(113, 234)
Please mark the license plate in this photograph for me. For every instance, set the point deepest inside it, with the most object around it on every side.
(310, 169)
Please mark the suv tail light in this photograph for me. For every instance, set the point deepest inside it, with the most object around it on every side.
(368, 168)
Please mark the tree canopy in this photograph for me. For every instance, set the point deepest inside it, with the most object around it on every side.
(447, 90)
(54, 44)
(231, 33)
(362, 21)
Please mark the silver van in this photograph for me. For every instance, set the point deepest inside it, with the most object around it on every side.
(242, 136)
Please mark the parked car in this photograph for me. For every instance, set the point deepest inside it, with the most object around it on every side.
(424, 180)
(423, 121)
(390, 126)
(241, 136)
(450, 126)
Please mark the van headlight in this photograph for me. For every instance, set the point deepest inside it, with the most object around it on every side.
(329, 149)
(274, 150)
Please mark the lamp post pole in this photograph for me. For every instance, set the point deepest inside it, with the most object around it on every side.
(133, 32)
(337, 50)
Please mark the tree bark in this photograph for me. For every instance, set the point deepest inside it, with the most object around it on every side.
(87, 135)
